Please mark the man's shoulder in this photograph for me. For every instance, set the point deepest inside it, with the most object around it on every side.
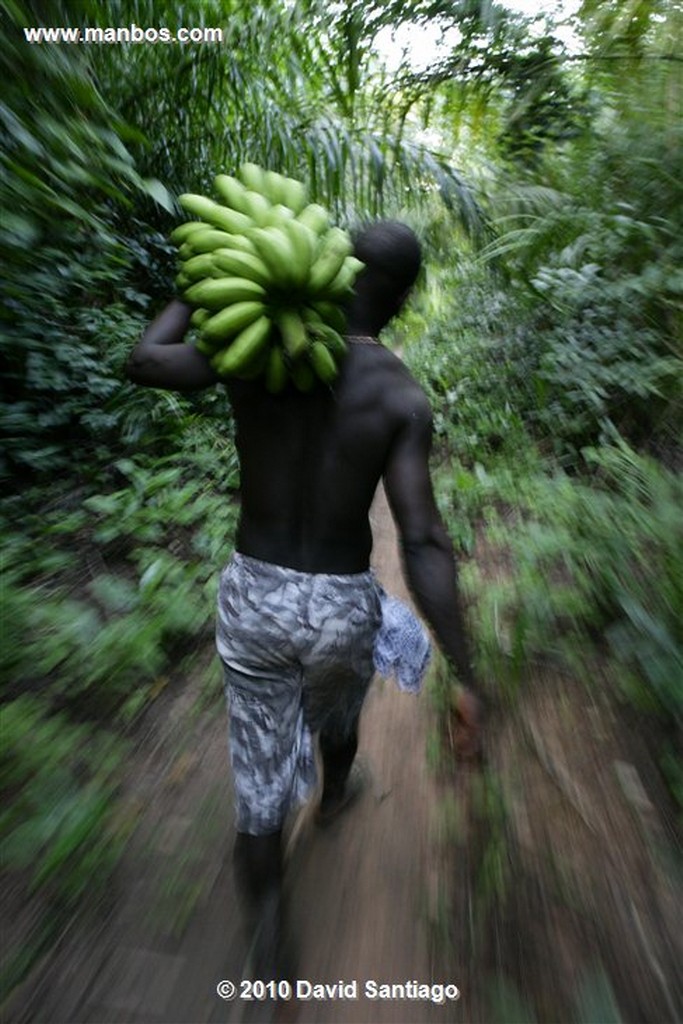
(394, 371)
(404, 394)
(378, 376)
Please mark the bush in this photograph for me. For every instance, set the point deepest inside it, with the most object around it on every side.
(596, 564)
(471, 366)
(58, 831)
(65, 175)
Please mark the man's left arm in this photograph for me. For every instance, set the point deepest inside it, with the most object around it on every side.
(162, 358)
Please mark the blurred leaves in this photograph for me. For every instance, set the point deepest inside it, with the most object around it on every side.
(58, 780)
(319, 82)
(62, 168)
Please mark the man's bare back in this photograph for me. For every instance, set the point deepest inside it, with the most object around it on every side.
(310, 464)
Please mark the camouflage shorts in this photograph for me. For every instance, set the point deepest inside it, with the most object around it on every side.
(297, 653)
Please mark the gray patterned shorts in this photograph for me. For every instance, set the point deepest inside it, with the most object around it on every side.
(297, 654)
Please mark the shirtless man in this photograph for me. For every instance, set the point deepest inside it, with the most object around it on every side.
(298, 606)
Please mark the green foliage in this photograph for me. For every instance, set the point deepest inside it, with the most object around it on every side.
(600, 268)
(63, 159)
(150, 500)
(505, 83)
(319, 83)
(51, 764)
(57, 828)
(101, 596)
(110, 635)
(59, 390)
(63, 171)
(608, 353)
(593, 560)
(473, 374)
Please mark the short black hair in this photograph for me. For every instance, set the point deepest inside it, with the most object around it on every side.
(390, 249)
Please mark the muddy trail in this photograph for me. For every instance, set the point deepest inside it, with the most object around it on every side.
(545, 886)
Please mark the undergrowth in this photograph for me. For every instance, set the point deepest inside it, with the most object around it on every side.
(108, 589)
(592, 565)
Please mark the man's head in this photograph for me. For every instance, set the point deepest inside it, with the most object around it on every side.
(392, 258)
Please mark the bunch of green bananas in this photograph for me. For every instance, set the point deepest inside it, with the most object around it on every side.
(267, 274)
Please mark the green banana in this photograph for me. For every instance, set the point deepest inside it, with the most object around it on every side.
(224, 291)
(335, 246)
(331, 339)
(264, 244)
(256, 206)
(213, 213)
(273, 186)
(322, 361)
(231, 192)
(211, 346)
(302, 375)
(314, 217)
(230, 321)
(341, 286)
(310, 317)
(276, 216)
(242, 264)
(198, 267)
(252, 176)
(255, 367)
(206, 241)
(293, 332)
(199, 206)
(240, 243)
(183, 231)
(353, 263)
(249, 343)
(275, 249)
(182, 281)
(294, 194)
(302, 242)
(330, 313)
(199, 317)
(276, 371)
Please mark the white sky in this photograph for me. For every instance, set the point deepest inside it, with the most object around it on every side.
(425, 45)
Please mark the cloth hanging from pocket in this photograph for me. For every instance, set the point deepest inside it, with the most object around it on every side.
(402, 649)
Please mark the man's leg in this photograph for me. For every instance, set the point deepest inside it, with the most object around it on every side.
(337, 679)
(272, 759)
(258, 864)
(270, 750)
(337, 756)
(343, 782)
(259, 874)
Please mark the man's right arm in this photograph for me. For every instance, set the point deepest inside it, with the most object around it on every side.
(428, 553)
(162, 359)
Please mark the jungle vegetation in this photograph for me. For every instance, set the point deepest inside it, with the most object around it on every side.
(538, 160)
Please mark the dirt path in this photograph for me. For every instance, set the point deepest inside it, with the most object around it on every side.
(547, 888)
(566, 850)
(362, 892)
